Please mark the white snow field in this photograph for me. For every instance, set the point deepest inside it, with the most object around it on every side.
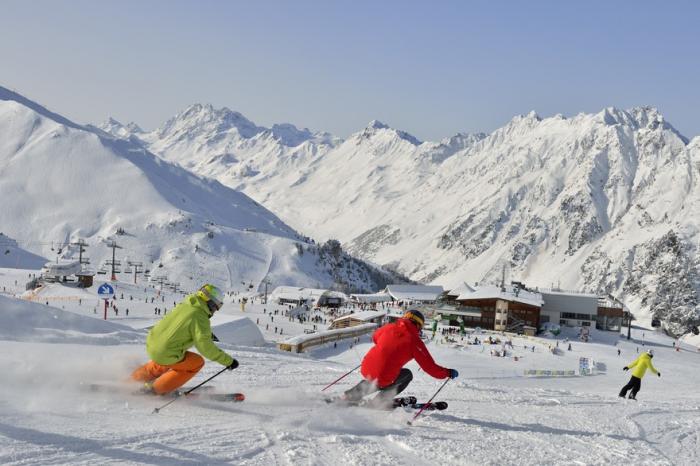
(496, 415)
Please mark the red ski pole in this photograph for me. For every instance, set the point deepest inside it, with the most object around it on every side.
(340, 378)
(429, 402)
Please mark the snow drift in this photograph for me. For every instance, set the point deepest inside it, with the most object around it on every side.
(26, 321)
(239, 331)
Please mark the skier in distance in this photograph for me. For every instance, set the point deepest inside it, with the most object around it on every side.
(640, 365)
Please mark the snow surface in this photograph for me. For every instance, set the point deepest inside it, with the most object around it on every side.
(496, 415)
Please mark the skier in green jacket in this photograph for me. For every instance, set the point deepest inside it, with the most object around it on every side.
(640, 365)
(171, 365)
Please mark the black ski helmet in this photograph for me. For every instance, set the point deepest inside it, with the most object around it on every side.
(416, 317)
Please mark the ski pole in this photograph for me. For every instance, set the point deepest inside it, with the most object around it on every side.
(157, 410)
(410, 423)
(340, 378)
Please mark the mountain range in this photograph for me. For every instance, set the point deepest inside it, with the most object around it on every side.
(602, 202)
(61, 182)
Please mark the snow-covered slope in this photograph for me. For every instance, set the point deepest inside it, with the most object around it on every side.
(60, 181)
(14, 256)
(603, 202)
(496, 415)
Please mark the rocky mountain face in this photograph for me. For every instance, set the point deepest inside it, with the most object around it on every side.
(601, 202)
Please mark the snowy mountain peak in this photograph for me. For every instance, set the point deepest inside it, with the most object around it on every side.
(199, 118)
(133, 128)
(376, 124)
(290, 135)
(461, 141)
(636, 118)
(528, 119)
(119, 130)
(376, 127)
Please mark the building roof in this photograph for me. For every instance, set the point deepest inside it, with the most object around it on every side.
(461, 312)
(414, 292)
(308, 294)
(364, 316)
(371, 298)
(63, 267)
(509, 293)
(463, 288)
(582, 294)
(337, 331)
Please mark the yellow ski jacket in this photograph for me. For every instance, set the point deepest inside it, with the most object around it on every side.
(641, 364)
(185, 326)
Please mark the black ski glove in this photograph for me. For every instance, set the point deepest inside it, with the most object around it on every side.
(233, 365)
(659, 374)
(625, 368)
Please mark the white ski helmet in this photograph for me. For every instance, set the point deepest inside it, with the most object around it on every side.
(650, 353)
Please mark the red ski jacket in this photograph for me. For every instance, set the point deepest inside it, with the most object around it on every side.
(396, 344)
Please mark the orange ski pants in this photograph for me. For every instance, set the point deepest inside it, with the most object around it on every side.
(167, 378)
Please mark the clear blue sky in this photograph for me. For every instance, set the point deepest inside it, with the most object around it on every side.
(431, 68)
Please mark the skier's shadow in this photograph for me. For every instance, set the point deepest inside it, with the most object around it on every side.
(530, 428)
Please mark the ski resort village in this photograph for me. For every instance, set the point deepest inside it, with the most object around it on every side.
(188, 279)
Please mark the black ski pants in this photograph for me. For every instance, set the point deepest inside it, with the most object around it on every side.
(635, 384)
(366, 387)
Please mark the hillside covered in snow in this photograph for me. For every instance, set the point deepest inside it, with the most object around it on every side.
(61, 182)
(602, 202)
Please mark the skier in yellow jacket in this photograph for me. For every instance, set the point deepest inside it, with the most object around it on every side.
(171, 365)
(640, 366)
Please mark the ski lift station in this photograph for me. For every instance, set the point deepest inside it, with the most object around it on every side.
(313, 297)
(406, 294)
(61, 270)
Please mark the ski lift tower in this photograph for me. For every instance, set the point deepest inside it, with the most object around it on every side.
(266, 281)
(114, 263)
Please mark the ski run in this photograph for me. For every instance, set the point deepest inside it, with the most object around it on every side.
(496, 414)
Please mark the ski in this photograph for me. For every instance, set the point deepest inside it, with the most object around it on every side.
(233, 397)
(204, 392)
(434, 406)
(104, 387)
(398, 402)
(404, 401)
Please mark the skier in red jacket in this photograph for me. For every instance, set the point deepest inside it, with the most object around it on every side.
(395, 344)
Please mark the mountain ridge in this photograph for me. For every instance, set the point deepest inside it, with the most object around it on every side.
(555, 199)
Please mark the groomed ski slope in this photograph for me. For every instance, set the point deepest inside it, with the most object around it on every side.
(496, 416)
